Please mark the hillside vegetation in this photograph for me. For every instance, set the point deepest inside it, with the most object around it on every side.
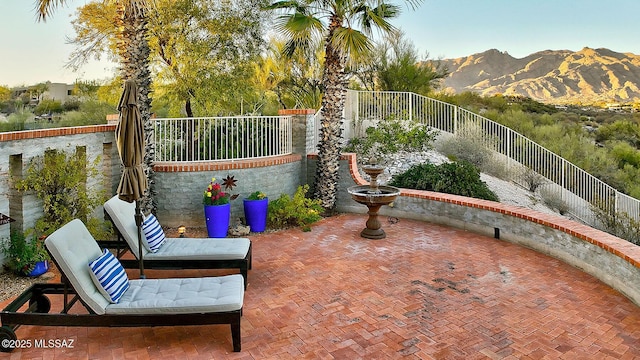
(605, 144)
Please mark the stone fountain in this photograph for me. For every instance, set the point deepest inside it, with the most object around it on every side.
(373, 196)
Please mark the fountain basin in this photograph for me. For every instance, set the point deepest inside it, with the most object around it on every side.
(373, 197)
(364, 194)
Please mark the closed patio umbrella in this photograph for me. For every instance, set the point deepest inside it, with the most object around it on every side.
(130, 141)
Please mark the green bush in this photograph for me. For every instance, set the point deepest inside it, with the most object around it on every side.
(90, 112)
(458, 178)
(16, 121)
(48, 106)
(22, 254)
(391, 136)
(58, 180)
(286, 212)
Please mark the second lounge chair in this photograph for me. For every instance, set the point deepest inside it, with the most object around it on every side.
(179, 253)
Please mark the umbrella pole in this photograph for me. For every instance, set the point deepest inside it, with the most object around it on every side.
(138, 217)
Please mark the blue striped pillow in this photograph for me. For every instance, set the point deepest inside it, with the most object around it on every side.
(153, 233)
(109, 276)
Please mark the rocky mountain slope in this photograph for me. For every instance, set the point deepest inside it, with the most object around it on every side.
(552, 76)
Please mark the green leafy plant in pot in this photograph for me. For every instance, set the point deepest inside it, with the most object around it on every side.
(24, 257)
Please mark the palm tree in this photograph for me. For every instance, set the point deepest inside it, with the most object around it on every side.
(304, 22)
(133, 50)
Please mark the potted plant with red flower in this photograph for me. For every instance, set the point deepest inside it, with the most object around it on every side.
(217, 210)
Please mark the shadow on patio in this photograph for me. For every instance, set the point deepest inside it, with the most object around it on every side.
(426, 291)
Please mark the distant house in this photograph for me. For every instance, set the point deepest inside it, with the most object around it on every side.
(55, 91)
(620, 107)
(59, 92)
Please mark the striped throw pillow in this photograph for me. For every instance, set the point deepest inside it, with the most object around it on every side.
(153, 233)
(109, 276)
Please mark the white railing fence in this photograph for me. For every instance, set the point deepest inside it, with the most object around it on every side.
(577, 188)
(222, 138)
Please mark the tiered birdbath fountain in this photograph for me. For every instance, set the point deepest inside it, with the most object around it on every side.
(374, 197)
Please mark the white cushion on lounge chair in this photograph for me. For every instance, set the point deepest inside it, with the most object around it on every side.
(122, 213)
(201, 249)
(181, 296)
(73, 247)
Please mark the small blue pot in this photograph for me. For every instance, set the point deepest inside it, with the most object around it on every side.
(40, 268)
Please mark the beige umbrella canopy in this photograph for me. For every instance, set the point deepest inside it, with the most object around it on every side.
(130, 140)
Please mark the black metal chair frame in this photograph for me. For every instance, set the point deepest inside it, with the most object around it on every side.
(39, 306)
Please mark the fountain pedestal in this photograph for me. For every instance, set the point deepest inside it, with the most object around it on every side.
(374, 228)
(373, 196)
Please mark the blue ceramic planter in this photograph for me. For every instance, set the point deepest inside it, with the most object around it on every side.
(217, 219)
(40, 268)
(255, 213)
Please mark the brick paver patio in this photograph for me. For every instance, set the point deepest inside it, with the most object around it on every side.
(424, 292)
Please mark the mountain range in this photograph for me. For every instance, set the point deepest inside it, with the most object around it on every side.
(588, 76)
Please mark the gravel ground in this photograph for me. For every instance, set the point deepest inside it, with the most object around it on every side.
(508, 193)
(12, 285)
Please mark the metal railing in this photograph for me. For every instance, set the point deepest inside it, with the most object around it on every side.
(577, 188)
(222, 138)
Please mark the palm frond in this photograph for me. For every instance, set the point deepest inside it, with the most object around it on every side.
(292, 5)
(377, 17)
(414, 4)
(352, 42)
(300, 30)
(47, 7)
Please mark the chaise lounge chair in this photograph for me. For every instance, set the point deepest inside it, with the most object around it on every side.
(156, 302)
(178, 253)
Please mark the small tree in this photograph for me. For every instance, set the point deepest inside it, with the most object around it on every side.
(59, 181)
(48, 107)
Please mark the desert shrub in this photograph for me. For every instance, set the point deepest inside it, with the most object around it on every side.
(553, 200)
(467, 145)
(58, 179)
(532, 179)
(286, 212)
(48, 106)
(391, 136)
(619, 224)
(497, 167)
(71, 105)
(458, 178)
(89, 113)
(17, 121)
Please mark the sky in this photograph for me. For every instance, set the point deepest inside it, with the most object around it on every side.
(34, 52)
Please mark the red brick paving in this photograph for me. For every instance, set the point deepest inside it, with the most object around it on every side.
(424, 292)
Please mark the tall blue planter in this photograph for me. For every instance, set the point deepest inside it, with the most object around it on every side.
(217, 219)
(255, 213)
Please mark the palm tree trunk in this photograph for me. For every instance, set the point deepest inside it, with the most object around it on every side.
(327, 171)
(134, 53)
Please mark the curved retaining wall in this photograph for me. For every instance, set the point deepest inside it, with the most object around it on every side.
(181, 186)
(614, 261)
